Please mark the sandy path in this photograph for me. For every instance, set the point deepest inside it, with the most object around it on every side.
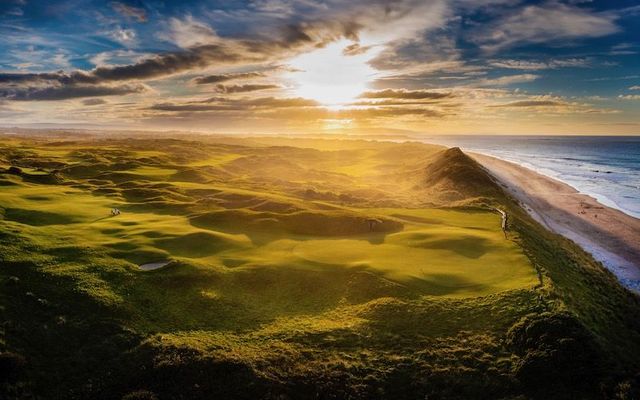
(611, 236)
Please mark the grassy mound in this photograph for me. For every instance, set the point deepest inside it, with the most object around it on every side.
(190, 175)
(337, 224)
(198, 244)
(36, 218)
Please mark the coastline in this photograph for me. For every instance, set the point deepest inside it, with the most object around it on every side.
(608, 234)
(604, 168)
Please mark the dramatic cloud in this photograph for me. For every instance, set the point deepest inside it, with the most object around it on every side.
(168, 64)
(540, 65)
(244, 88)
(203, 80)
(186, 107)
(149, 68)
(225, 104)
(551, 105)
(93, 102)
(530, 103)
(455, 63)
(423, 54)
(406, 94)
(67, 92)
(189, 32)
(508, 80)
(629, 97)
(549, 22)
(291, 108)
(198, 55)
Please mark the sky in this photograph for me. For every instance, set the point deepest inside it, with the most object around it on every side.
(306, 66)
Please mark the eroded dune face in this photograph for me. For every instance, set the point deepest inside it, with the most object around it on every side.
(284, 263)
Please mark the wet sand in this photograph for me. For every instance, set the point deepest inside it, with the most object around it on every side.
(610, 235)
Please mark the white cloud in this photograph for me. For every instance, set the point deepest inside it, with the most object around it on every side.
(61, 60)
(541, 65)
(124, 35)
(629, 97)
(117, 57)
(508, 80)
(15, 12)
(549, 22)
(31, 58)
(189, 32)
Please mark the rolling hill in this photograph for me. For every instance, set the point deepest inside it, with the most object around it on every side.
(296, 269)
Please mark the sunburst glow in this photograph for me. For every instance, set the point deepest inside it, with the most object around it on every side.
(330, 76)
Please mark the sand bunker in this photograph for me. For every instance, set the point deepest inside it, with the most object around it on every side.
(155, 265)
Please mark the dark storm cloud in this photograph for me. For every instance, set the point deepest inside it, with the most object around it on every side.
(203, 80)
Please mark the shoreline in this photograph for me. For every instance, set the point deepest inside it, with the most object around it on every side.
(608, 234)
(600, 198)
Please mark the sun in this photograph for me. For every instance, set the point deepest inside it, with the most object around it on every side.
(331, 77)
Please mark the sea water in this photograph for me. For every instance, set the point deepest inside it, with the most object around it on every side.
(604, 167)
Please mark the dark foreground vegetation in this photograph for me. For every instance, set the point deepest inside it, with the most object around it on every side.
(241, 312)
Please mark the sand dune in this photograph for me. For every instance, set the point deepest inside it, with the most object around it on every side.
(610, 235)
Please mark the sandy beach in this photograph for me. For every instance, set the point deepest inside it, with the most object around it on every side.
(610, 235)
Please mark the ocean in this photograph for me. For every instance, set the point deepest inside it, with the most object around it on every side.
(604, 167)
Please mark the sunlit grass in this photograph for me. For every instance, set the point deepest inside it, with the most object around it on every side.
(274, 263)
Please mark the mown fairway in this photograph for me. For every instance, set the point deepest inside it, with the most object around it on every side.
(434, 251)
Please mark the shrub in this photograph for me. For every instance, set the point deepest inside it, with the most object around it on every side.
(557, 353)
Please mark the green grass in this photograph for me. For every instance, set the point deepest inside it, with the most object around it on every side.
(274, 291)
(461, 253)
